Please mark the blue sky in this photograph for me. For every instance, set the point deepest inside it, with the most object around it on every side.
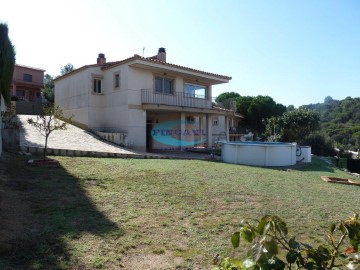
(297, 52)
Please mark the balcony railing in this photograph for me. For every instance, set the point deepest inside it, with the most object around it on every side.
(149, 96)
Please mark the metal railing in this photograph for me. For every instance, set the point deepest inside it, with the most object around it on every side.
(150, 96)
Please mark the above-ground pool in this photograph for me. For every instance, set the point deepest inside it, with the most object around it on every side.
(259, 153)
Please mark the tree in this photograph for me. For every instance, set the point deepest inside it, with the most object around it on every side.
(48, 121)
(339, 119)
(262, 108)
(257, 110)
(290, 108)
(295, 125)
(48, 90)
(320, 143)
(228, 99)
(356, 138)
(66, 69)
(328, 99)
(227, 95)
(7, 62)
(243, 104)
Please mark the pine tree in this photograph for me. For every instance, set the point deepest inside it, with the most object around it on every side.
(7, 62)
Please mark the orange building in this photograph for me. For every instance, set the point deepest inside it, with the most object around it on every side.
(27, 83)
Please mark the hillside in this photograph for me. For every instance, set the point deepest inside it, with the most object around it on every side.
(340, 119)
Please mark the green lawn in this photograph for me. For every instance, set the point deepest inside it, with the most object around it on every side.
(153, 214)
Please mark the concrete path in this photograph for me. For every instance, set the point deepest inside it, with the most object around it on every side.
(77, 142)
(74, 140)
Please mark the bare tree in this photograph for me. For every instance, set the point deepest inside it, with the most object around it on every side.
(48, 121)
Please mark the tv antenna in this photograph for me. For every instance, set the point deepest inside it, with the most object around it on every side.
(143, 51)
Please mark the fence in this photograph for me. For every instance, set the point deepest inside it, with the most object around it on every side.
(353, 165)
(28, 107)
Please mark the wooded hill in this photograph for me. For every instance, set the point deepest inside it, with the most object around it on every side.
(340, 119)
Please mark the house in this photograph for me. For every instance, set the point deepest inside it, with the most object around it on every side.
(27, 83)
(234, 125)
(148, 103)
(26, 89)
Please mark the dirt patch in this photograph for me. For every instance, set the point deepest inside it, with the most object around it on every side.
(148, 261)
(47, 163)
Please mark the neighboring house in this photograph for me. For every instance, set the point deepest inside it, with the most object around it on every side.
(155, 105)
(27, 83)
(26, 89)
(232, 124)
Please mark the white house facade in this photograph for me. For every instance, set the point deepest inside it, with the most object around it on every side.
(154, 104)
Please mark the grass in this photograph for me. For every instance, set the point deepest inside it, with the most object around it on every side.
(94, 213)
(341, 163)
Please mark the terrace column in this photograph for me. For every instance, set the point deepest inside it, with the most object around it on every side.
(209, 130)
(182, 127)
(200, 127)
(227, 128)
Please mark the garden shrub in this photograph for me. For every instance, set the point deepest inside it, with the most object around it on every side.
(272, 248)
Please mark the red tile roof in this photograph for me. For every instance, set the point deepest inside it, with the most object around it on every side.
(154, 60)
(22, 66)
(227, 110)
(138, 57)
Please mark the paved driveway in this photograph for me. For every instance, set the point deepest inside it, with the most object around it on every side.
(73, 138)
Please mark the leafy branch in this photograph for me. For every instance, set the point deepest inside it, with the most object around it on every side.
(269, 242)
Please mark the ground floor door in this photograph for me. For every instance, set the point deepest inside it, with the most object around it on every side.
(149, 126)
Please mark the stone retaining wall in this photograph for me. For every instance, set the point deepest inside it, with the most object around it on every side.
(79, 153)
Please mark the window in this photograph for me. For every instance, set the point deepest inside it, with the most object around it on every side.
(195, 91)
(20, 93)
(164, 85)
(215, 121)
(190, 119)
(27, 77)
(97, 86)
(117, 80)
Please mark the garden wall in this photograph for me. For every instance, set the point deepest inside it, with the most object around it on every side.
(119, 138)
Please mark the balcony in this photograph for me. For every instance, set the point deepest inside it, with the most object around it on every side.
(20, 82)
(181, 99)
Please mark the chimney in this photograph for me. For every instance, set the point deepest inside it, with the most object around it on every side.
(161, 56)
(101, 59)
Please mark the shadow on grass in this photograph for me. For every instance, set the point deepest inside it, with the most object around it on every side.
(41, 209)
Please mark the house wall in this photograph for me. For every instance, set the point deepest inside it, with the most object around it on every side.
(37, 75)
(162, 118)
(220, 127)
(137, 79)
(108, 110)
(219, 131)
(72, 95)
